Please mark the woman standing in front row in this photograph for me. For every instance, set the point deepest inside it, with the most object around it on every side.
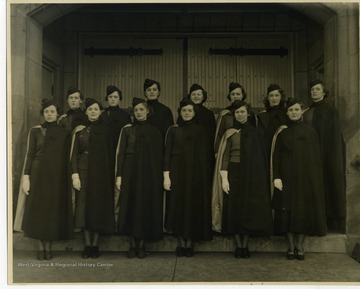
(187, 181)
(298, 198)
(139, 180)
(46, 189)
(92, 165)
(245, 208)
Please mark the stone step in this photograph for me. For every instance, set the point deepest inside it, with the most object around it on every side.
(331, 243)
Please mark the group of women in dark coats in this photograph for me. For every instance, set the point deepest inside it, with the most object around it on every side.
(151, 155)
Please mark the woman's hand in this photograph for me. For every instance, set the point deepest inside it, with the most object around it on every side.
(167, 181)
(224, 181)
(76, 181)
(278, 184)
(26, 184)
(118, 183)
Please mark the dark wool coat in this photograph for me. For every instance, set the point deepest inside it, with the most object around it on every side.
(72, 118)
(116, 118)
(300, 206)
(323, 117)
(140, 165)
(247, 208)
(48, 209)
(161, 117)
(188, 204)
(269, 122)
(95, 142)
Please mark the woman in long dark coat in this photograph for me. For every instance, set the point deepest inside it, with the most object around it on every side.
(324, 118)
(161, 117)
(139, 179)
(48, 210)
(115, 117)
(275, 114)
(245, 207)
(187, 181)
(92, 165)
(225, 118)
(298, 198)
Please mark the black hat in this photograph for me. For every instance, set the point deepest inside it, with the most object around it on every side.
(72, 90)
(112, 88)
(91, 101)
(137, 101)
(150, 82)
(273, 87)
(184, 102)
(196, 86)
(316, 81)
(46, 103)
(292, 101)
(233, 86)
(239, 103)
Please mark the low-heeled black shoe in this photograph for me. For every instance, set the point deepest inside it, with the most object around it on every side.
(40, 255)
(95, 252)
(180, 251)
(48, 255)
(132, 253)
(141, 253)
(245, 253)
(86, 253)
(189, 252)
(237, 253)
(300, 255)
(290, 255)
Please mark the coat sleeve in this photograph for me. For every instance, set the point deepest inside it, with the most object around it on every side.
(169, 144)
(30, 155)
(74, 159)
(121, 151)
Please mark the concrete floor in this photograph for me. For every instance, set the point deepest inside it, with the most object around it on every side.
(165, 267)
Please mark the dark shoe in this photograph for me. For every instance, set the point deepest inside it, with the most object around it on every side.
(290, 255)
(237, 253)
(95, 252)
(40, 255)
(180, 251)
(245, 253)
(141, 253)
(132, 253)
(48, 255)
(86, 253)
(189, 252)
(300, 255)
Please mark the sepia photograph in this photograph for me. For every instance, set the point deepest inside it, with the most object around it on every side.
(182, 143)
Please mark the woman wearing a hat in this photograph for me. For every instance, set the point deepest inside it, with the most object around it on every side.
(241, 201)
(74, 116)
(44, 205)
(187, 181)
(225, 118)
(139, 180)
(115, 117)
(298, 197)
(92, 163)
(274, 115)
(324, 118)
(162, 116)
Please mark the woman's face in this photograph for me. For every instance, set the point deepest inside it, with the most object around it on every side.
(236, 94)
(197, 96)
(113, 99)
(274, 97)
(152, 92)
(317, 92)
(241, 114)
(93, 112)
(187, 112)
(140, 112)
(50, 113)
(294, 112)
(74, 100)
